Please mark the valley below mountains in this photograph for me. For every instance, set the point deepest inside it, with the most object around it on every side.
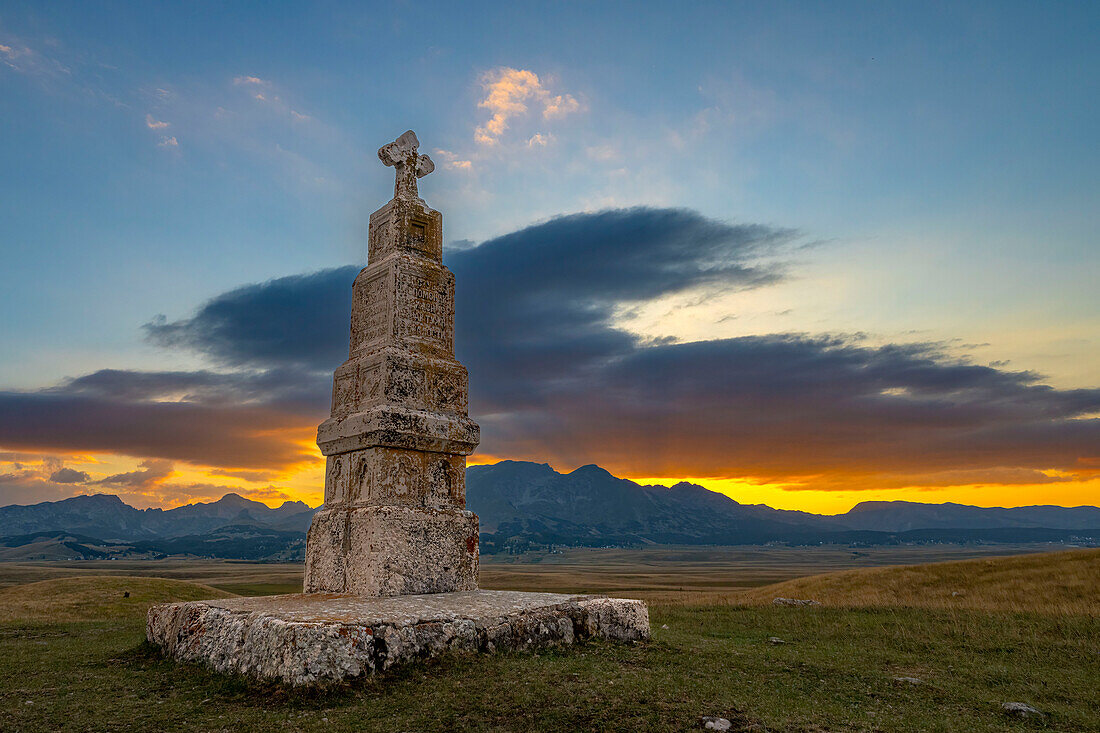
(526, 506)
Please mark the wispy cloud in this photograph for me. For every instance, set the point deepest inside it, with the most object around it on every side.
(538, 140)
(168, 141)
(507, 94)
(20, 57)
(154, 124)
(601, 152)
(451, 160)
(152, 473)
(251, 80)
(264, 91)
(560, 106)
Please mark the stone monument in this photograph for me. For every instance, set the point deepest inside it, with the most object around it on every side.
(392, 554)
(394, 520)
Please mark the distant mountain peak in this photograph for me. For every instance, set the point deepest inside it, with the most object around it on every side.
(590, 469)
(235, 498)
(102, 499)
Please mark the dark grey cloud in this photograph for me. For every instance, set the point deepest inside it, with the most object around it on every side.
(234, 435)
(552, 378)
(69, 476)
(288, 388)
(790, 405)
(292, 322)
(152, 472)
(537, 304)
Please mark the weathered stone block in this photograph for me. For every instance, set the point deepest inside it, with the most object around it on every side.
(388, 375)
(397, 477)
(391, 550)
(405, 301)
(315, 638)
(405, 225)
(395, 426)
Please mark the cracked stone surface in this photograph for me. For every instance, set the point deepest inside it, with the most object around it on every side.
(315, 638)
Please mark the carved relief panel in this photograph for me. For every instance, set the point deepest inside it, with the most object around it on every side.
(336, 483)
(371, 310)
(425, 311)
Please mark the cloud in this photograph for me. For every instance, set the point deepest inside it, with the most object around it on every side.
(507, 93)
(69, 476)
(153, 473)
(560, 106)
(798, 408)
(602, 153)
(168, 142)
(286, 388)
(154, 124)
(539, 140)
(299, 321)
(230, 435)
(12, 55)
(252, 476)
(262, 90)
(29, 487)
(451, 160)
(20, 57)
(554, 377)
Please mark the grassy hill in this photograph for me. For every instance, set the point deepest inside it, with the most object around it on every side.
(1053, 583)
(836, 668)
(97, 597)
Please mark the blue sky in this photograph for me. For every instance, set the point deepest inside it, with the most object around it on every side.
(937, 163)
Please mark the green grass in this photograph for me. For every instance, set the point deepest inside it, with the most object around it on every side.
(91, 598)
(834, 674)
(1064, 583)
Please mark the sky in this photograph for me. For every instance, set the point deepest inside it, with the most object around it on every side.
(804, 254)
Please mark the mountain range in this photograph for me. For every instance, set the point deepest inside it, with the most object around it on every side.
(524, 505)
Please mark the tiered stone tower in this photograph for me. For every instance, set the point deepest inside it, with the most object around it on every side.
(394, 525)
(394, 521)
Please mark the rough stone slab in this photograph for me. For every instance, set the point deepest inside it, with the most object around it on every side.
(315, 638)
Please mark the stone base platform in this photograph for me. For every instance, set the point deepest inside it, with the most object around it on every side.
(315, 638)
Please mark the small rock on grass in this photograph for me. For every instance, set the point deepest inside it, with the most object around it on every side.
(710, 723)
(794, 602)
(664, 626)
(775, 641)
(909, 680)
(1021, 710)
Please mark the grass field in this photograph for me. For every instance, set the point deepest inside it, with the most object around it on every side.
(656, 574)
(1063, 583)
(834, 673)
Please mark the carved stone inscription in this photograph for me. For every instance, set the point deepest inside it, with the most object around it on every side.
(426, 307)
(372, 318)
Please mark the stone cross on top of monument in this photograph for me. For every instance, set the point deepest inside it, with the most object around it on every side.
(408, 164)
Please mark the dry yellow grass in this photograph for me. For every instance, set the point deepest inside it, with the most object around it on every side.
(1056, 582)
(95, 598)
